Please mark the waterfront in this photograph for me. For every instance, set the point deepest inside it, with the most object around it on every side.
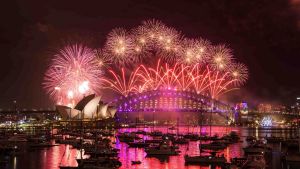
(50, 158)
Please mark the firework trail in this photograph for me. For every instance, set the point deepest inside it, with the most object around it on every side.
(201, 79)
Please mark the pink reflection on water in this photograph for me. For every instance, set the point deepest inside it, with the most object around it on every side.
(52, 157)
(174, 162)
(63, 155)
(69, 156)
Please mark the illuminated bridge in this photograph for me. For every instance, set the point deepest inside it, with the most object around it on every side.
(170, 101)
(184, 103)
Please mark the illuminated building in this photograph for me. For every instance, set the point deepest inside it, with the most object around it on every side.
(264, 108)
(90, 107)
(241, 112)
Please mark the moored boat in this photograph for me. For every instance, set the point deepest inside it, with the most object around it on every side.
(138, 144)
(127, 137)
(180, 140)
(204, 160)
(136, 162)
(163, 148)
(156, 133)
(215, 145)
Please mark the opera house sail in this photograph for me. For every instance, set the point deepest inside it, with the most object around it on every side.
(90, 107)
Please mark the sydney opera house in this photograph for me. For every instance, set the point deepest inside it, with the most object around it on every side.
(90, 107)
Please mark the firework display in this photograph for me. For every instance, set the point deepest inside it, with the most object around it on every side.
(201, 79)
(183, 63)
(73, 73)
(151, 56)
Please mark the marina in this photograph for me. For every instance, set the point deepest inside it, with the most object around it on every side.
(67, 154)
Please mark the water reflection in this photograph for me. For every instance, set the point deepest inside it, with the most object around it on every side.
(15, 162)
(175, 162)
(52, 157)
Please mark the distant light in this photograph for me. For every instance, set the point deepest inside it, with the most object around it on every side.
(266, 122)
(298, 98)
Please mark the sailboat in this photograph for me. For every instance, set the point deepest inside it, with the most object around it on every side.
(204, 159)
(179, 139)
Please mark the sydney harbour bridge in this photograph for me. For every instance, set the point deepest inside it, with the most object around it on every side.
(179, 102)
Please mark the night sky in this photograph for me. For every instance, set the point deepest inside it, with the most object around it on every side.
(263, 34)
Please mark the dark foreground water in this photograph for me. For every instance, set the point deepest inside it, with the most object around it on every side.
(52, 157)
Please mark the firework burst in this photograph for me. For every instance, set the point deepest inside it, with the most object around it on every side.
(72, 73)
(102, 58)
(239, 72)
(156, 39)
(221, 57)
(182, 64)
(194, 51)
(119, 46)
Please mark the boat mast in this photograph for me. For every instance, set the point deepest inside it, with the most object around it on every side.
(201, 118)
(210, 118)
(82, 130)
(153, 121)
(177, 126)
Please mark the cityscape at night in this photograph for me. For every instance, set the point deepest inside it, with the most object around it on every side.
(145, 84)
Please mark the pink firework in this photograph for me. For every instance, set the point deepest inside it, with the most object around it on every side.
(220, 83)
(200, 78)
(122, 84)
(72, 74)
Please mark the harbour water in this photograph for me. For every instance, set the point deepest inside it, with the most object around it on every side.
(51, 158)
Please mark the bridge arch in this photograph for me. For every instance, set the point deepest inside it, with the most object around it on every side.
(168, 100)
